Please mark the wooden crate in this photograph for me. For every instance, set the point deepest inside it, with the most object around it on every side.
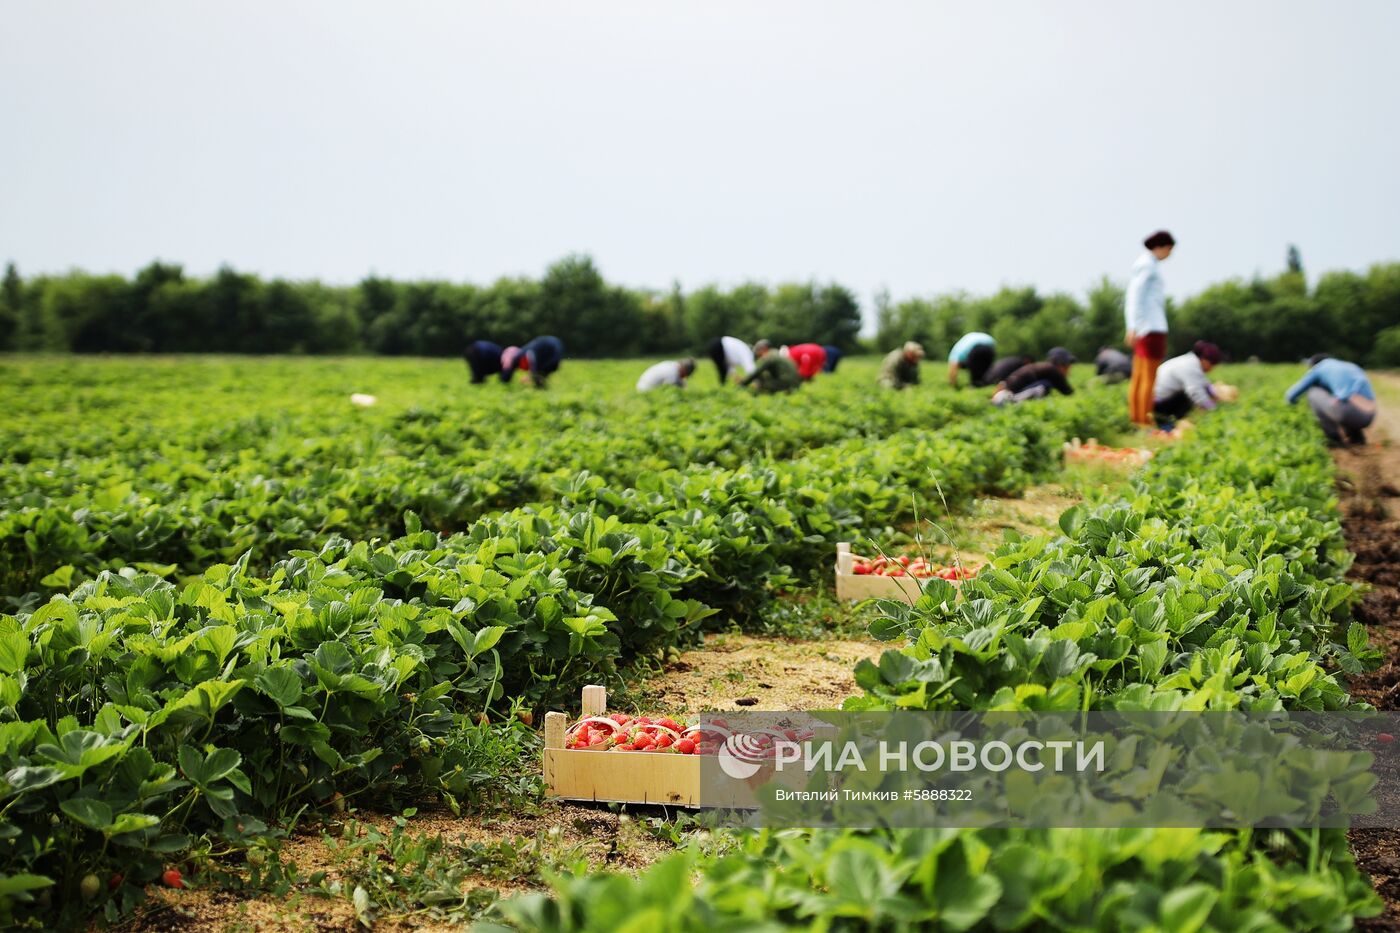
(615, 777)
(1077, 452)
(857, 586)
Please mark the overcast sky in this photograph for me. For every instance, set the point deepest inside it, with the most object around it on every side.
(920, 146)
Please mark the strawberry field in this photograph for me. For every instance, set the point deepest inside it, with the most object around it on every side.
(236, 609)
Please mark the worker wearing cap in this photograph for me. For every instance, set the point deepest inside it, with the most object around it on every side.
(809, 357)
(484, 359)
(540, 358)
(900, 368)
(1182, 384)
(667, 373)
(1341, 397)
(774, 372)
(1145, 320)
(1037, 380)
(731, 356)
(973, 352)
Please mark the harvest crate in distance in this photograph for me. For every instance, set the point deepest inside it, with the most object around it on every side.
(1092, 451)
(615, 777)
(857, 586)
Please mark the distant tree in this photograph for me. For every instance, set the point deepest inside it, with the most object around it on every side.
(837, 319)
(577, 306)
(375, 297)
(791, 314)
(711, 312)
(884, 313)
(1103, 323)
(508, 312)
(236, 309)
(144, 329)
(1295, 260)
(663, 322)
(1344, 297)
(11, 305)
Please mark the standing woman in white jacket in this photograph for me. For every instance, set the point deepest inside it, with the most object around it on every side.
(1145, 315)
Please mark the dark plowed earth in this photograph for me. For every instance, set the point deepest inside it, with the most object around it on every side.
(1367, 481)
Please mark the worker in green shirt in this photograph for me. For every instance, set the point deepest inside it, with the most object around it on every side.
(901, 367)
(775, 372)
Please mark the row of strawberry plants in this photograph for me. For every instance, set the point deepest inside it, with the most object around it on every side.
(1216, 583)
(141, 715)
(262, 485)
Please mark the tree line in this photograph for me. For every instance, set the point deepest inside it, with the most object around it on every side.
(162, 310)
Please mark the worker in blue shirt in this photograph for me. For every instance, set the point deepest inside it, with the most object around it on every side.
(484, 358)
(833, 356)
(974, 352)
(540, 357)
(1340, 396)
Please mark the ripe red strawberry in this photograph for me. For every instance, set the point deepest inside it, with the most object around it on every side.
(172, 879)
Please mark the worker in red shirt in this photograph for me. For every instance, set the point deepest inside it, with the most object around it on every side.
(809, 357)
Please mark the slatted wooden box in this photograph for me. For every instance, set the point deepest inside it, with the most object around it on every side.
(857, 586)
(1077, 451)
(615, 777)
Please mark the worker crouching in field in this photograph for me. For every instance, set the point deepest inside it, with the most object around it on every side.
(1341, 397)
(732, 357)
(775, 371)
(833, 356)
(668, 373)
(484, 359)
(1182, 385)
(973, 352)
(1002, 369)
(1113, 366)
(900, 368)
(809, 357)
(1037, 380)
(540, 358)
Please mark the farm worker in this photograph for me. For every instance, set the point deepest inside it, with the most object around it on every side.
(833, 356)
(901, 367)
(668, 373)
(973, 352)
(809, 357)
(999, 371)
(484, 358)
(775, 372)
(1340, 396)
(540, 358)
(1037, 380)
(1112, 365)
(1145, 318)
(1181, 384)
(731, 356)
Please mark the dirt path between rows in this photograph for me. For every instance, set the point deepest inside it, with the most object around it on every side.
(1368, 487)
